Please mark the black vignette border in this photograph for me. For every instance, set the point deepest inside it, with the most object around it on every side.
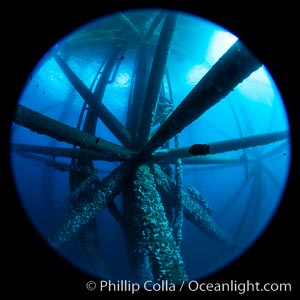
(270, 32)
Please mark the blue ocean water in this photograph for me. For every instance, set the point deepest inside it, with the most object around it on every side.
(243, 193)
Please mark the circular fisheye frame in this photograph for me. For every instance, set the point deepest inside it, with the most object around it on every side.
(150, 145)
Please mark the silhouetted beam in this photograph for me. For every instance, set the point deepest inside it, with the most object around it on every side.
(129, 124)
(131, 27)
(156, 21)
(210, 160)
(272, 177)
(250, 213)
(111, 122)
(247, 142)
(170, 156)
(65, 152)
(155, 78)
(60, 166)
(231, 69)
(236, 196)
(139, 84)
(281, 149)
(64, 167)
(139, 91)
(44, 125)
(92, 115)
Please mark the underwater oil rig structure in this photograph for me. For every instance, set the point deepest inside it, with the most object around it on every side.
(150, 171)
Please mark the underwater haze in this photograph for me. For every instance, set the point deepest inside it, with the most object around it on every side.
(101, 147)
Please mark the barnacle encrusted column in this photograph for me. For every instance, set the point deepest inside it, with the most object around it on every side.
(72, 199)
(196, 196)
(86, 236)
(178, 214)
(89, 244)
(138, 258)
(110, 187)
(82, 186)
(193, 210)
(155, 233)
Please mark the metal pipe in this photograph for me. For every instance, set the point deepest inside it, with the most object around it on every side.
(112, 123)
(110, 187)
(170, 156)
(155, 78)
(44, 125)
(66, 152)
(231, 69)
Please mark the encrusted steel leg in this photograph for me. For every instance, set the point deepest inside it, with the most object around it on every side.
(231, 69)
(193, 210)
(155, 234)
(110, 187)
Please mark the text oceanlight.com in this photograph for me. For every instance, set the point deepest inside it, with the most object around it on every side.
(192, 286)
